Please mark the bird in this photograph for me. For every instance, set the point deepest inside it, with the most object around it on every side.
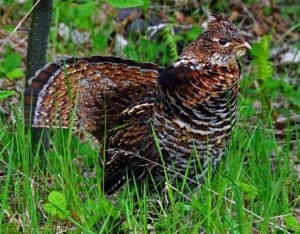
(156, 122)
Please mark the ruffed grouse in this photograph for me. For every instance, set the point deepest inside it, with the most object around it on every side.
(156, 120)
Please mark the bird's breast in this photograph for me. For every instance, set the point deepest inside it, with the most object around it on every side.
(184, 124)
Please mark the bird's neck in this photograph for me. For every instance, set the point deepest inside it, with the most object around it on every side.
(191, 80)
(202, 102)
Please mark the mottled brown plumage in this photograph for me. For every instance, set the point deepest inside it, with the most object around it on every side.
(96, 86)
(190, 106)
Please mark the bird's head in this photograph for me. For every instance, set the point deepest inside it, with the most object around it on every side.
(220, 44)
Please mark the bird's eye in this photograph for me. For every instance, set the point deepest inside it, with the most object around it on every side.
(222, 41)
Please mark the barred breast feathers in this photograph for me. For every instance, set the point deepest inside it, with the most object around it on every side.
(196, 105)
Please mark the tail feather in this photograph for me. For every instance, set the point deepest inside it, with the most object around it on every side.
(96, 88)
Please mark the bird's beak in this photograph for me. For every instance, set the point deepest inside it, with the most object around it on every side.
(244, 45)
(241, 48)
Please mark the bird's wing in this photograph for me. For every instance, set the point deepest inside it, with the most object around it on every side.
(131, 149)
(95, 90)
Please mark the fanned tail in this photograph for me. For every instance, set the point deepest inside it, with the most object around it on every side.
(97, 89)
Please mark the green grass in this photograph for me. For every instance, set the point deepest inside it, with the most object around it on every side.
(254, 189)
(249, 192)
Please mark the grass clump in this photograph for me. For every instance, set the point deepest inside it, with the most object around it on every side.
(249, 192)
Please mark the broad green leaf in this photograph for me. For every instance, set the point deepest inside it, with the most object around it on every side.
(78, 15)
(4, 94)
(99, 209)
(57, 204)
(14, 74)
(295, 98)
(193, 33)
(2, 72)
(11, 61)
(50, 209)
(125, 3)
(292, 223)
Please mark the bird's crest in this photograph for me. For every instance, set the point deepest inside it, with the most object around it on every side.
(216, 21)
